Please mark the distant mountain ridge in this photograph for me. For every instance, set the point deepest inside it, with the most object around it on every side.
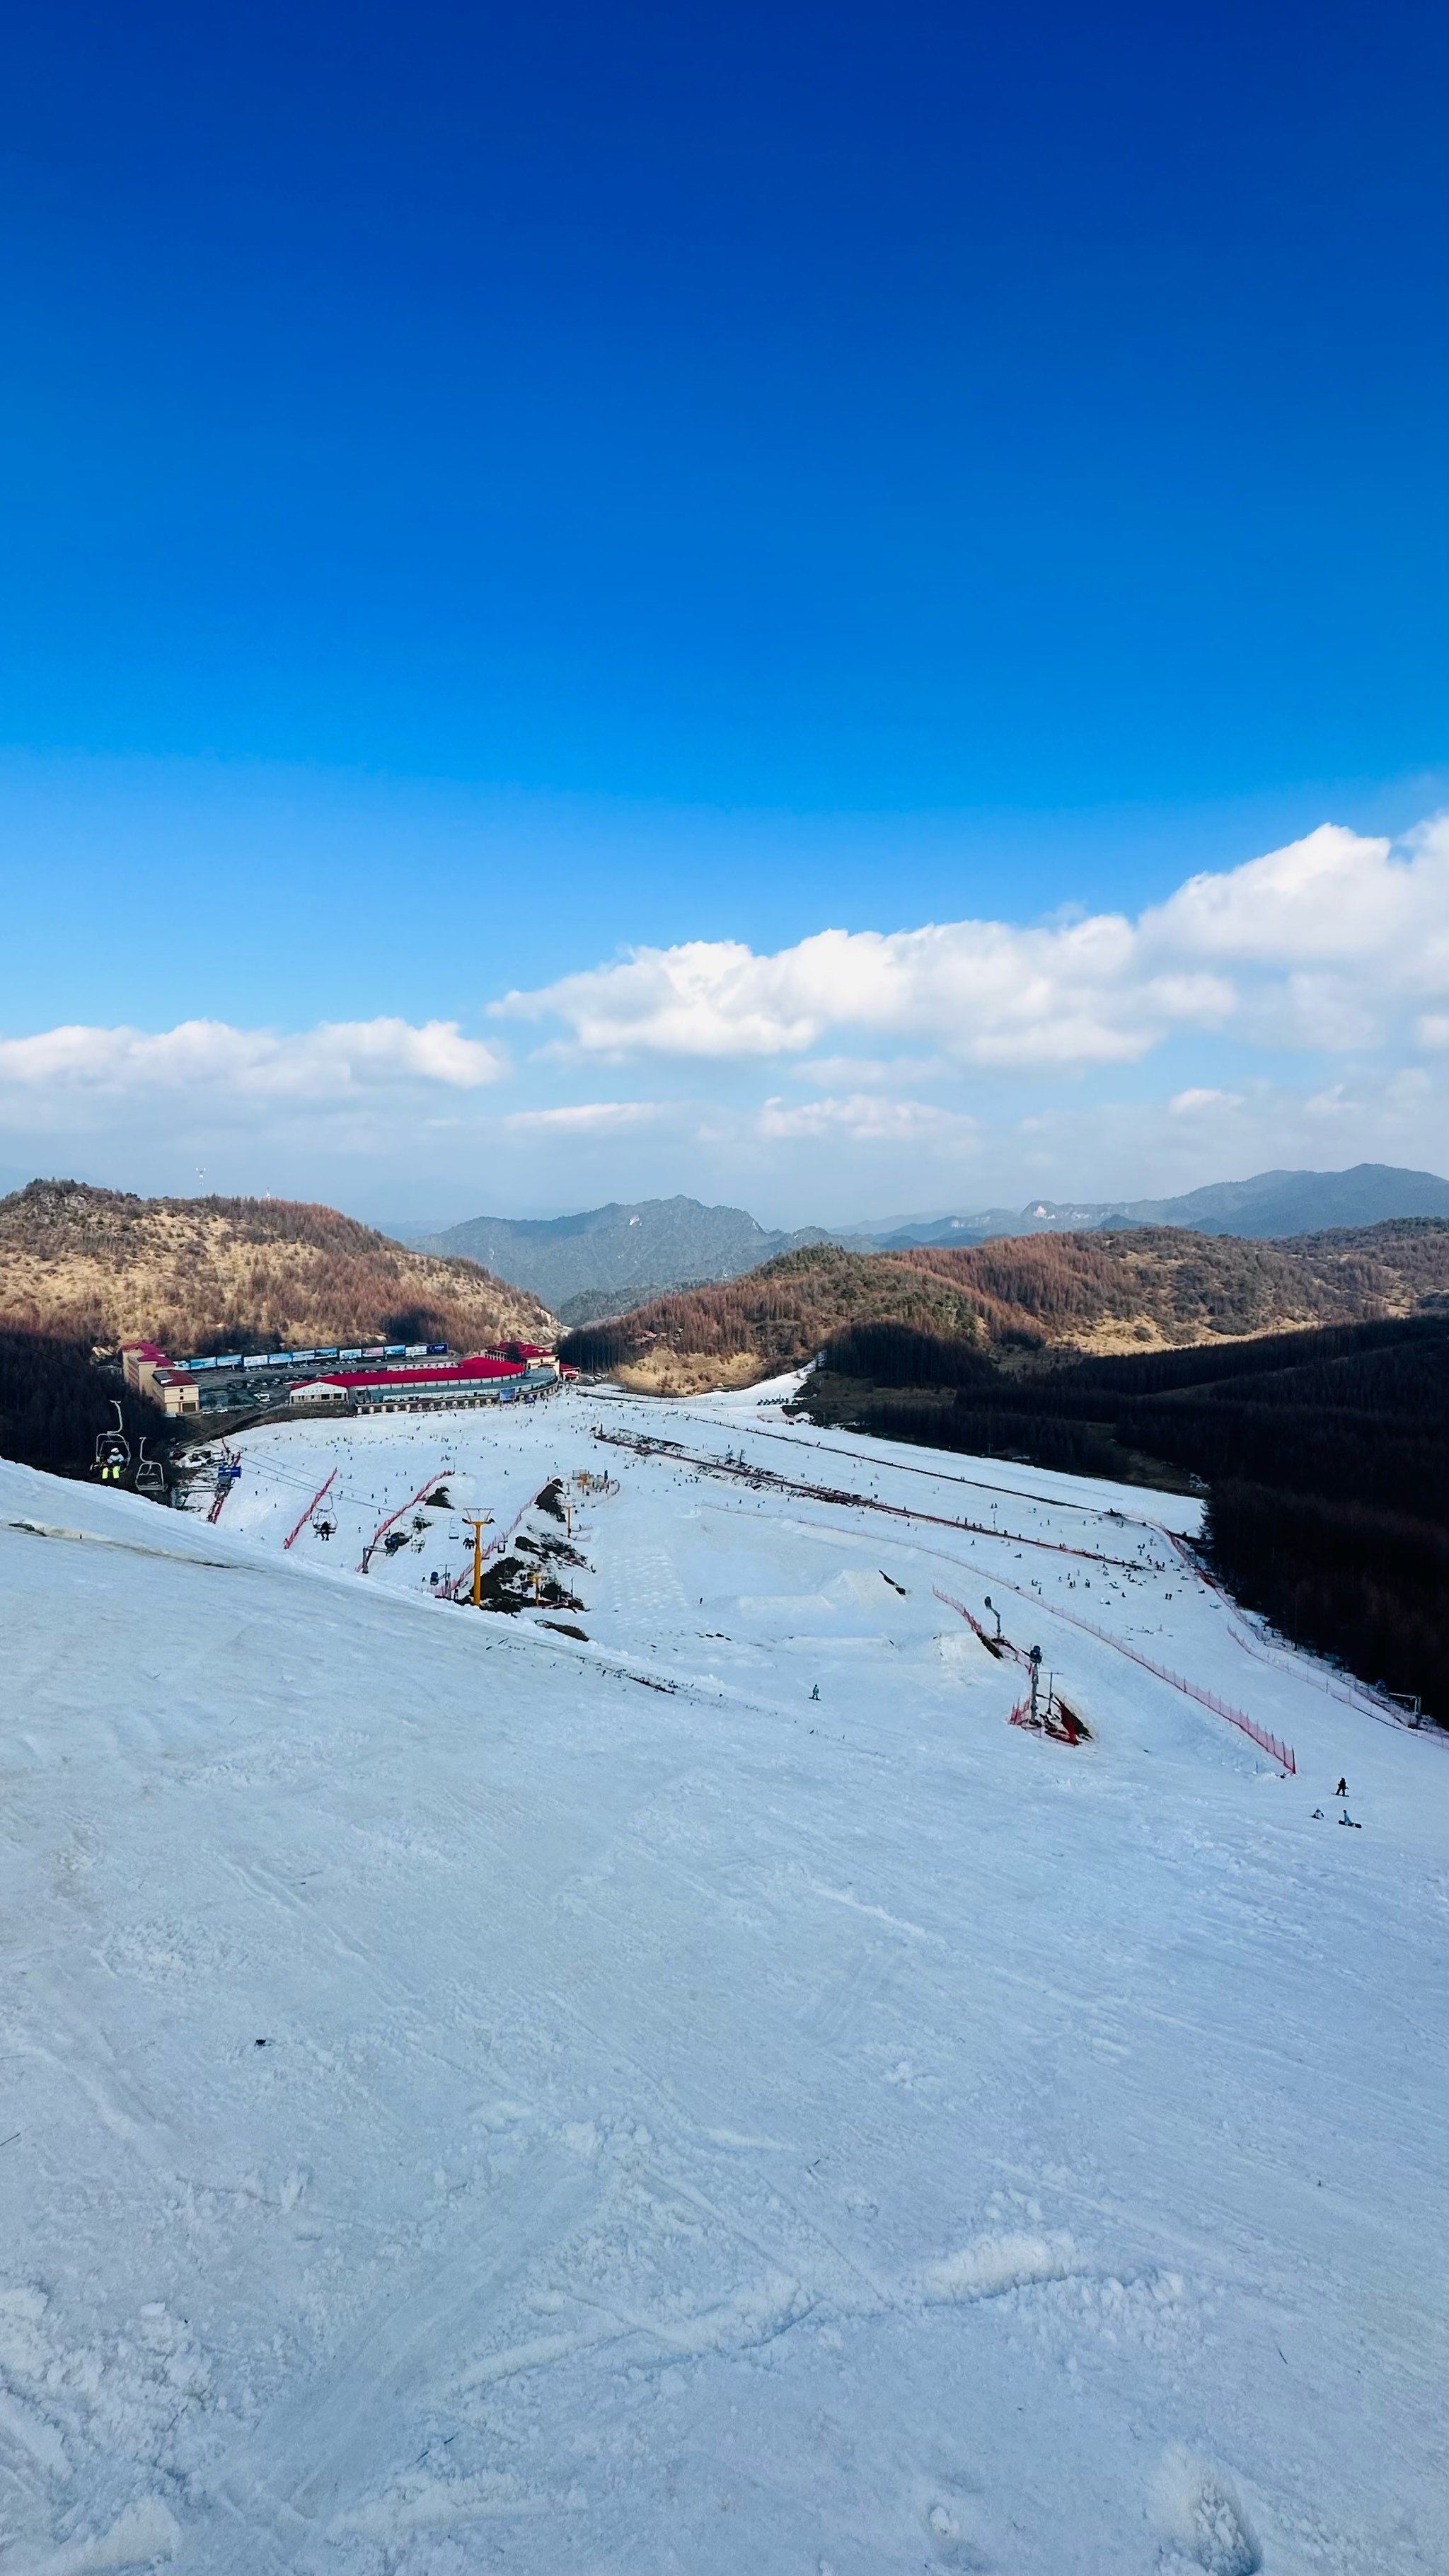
(605, 1260)
(1269, 1206)
(1290, 1203)
(605, 1257)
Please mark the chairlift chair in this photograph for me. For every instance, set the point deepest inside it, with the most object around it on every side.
(113, 1450)
(150, 1473)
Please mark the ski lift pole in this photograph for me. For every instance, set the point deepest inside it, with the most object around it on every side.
(477, 1526)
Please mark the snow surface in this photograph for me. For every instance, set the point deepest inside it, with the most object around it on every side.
(476, 2098)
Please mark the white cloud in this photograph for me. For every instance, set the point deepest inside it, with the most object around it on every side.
(1189, 1104)
(588, 1117)
(80, 1072)
(1333, 942)
(329, 1062)
(1328, 899)
(872, 1072)
(1378, 1112)
(865, 1118)
(832, 1077)
(991, 994)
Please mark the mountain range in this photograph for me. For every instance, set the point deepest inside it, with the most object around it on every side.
(606, 1260)
(613, 1257)
(1270, 1205)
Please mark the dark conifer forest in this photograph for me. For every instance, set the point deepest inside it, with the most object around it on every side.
(54, 1403)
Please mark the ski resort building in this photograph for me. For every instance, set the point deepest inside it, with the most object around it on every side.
(381, 1377)
(485, 1379)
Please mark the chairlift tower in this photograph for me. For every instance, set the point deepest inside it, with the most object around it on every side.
(477, 1523)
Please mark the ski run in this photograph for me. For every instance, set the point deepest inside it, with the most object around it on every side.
(705, 2093)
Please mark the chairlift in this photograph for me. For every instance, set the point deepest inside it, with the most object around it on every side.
(150, 1473)
(113, 1450)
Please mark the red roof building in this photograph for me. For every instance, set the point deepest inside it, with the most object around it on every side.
(445, 1373)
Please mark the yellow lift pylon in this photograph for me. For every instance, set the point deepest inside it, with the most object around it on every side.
(477, 1524)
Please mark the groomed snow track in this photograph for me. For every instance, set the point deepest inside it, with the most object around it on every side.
(708, 2094)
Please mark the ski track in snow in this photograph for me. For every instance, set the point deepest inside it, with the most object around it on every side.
(479, 2098)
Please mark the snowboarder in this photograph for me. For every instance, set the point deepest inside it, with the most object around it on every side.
(815, 1694)
(1342, 1790)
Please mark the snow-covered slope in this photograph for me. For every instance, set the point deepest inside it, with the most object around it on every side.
(476, 2097)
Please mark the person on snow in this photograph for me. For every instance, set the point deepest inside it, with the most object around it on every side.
(1342, 1790)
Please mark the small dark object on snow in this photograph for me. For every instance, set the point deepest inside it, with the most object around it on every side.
(261, 2043)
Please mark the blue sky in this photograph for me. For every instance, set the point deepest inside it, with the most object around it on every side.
(486, 493)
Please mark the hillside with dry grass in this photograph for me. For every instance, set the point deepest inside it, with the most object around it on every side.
(107, 1267)
(1141, 1289)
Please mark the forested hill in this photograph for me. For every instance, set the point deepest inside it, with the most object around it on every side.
(104, 1266)
(1141, 1289)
